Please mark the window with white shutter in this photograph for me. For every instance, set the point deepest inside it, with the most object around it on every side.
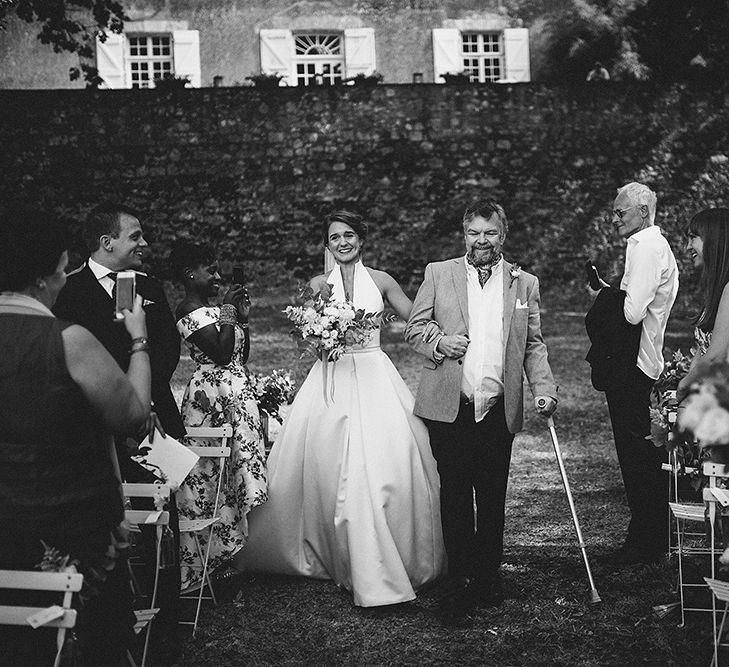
(136, 60)
(277, 50)
(501, 56)
(359, 51)
(186, 45)
(317, 57)
(516, 55)
(446, 53)
(110, 60)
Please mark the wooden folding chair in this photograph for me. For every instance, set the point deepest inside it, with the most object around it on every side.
(196, 526)
(158, 518)
(62, 616)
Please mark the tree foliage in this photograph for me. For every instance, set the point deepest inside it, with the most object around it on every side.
(69, 25)
(634, 39)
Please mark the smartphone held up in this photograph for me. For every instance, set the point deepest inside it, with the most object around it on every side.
(239, 276)
(126, 292)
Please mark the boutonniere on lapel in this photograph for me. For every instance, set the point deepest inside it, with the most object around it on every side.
(514, 273)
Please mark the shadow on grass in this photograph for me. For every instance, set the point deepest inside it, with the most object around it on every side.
(546, 618)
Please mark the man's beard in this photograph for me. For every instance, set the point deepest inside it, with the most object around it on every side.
(483, 256)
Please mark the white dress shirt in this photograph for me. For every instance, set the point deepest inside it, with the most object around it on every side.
(483, 363)
(651, 283)
(102, 275)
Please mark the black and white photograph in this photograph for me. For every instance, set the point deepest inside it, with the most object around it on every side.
(364, 332)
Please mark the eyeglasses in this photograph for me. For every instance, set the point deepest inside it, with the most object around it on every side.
(620, 213)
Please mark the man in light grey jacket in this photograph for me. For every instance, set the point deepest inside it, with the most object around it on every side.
(471, 394)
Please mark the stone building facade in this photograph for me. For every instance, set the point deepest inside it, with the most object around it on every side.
(309, 42)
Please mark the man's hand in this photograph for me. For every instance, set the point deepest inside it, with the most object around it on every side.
(453, 347)
(431, 331)
(152, 424)
(545, 405)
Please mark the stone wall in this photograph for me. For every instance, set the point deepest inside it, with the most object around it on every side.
(254, 171)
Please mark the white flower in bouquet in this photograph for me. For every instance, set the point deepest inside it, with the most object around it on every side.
(697, 405)
(335, 325)
(713, 429)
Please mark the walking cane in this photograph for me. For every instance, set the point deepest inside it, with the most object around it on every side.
(594, 596)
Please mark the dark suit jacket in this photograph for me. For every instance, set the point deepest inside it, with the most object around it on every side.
(84, 301)
(615, 341)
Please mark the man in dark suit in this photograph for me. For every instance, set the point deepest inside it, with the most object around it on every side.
(115, 240)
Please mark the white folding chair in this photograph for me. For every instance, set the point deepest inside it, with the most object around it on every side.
(195, 527)
(720, 591)
(60, 616)
(693, 542)
(154, 517)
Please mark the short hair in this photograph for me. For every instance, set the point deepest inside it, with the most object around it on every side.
(354, 220)
(188, 255)
(103, 220)
(641, 195)
(31, 245)
(712, 225)
(486, 208)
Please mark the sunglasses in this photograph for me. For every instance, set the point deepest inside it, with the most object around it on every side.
(618, 213)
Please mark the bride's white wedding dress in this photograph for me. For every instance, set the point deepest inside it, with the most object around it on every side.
(353, 487)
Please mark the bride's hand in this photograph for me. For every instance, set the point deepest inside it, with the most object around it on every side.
(431, 331)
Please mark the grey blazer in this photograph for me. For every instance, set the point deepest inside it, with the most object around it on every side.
(443, 297)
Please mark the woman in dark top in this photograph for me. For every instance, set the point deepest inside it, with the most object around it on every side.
(61, 397)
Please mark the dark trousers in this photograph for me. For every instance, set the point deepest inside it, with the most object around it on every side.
(640, 463)
(473, 457)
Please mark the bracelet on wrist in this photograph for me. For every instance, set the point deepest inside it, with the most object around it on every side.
(228, 314)
(139, 348)
(140, 339)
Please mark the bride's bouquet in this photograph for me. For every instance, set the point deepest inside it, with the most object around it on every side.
(329, 327)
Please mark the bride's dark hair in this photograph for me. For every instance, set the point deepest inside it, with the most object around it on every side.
(712, 225)
(354, 220)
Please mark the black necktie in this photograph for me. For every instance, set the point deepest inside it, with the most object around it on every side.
(112, 275)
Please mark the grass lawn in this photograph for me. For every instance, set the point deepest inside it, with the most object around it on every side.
(546, 618)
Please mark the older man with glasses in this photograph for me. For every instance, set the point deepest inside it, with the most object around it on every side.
(627, 326)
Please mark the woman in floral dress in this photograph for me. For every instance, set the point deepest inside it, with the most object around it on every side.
(708, 248)
(219, 392)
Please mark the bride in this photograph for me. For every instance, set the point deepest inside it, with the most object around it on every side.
(353, 486)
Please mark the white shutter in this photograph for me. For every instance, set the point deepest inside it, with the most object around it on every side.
(277, 50)
(447, 49)
(186, 53)
(110, 60)
(359, 51)
(516, 55)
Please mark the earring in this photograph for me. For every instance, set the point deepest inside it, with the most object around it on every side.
(41, 284)
(190, 276)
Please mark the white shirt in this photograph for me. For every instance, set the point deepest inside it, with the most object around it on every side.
(483, 363)
(102, 275)
(651, 283)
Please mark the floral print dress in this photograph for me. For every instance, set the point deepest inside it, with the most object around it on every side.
(216, 395)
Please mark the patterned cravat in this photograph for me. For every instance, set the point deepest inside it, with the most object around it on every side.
(484, 273)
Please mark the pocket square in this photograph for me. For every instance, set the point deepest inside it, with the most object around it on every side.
(147, 302)
(519, 304)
